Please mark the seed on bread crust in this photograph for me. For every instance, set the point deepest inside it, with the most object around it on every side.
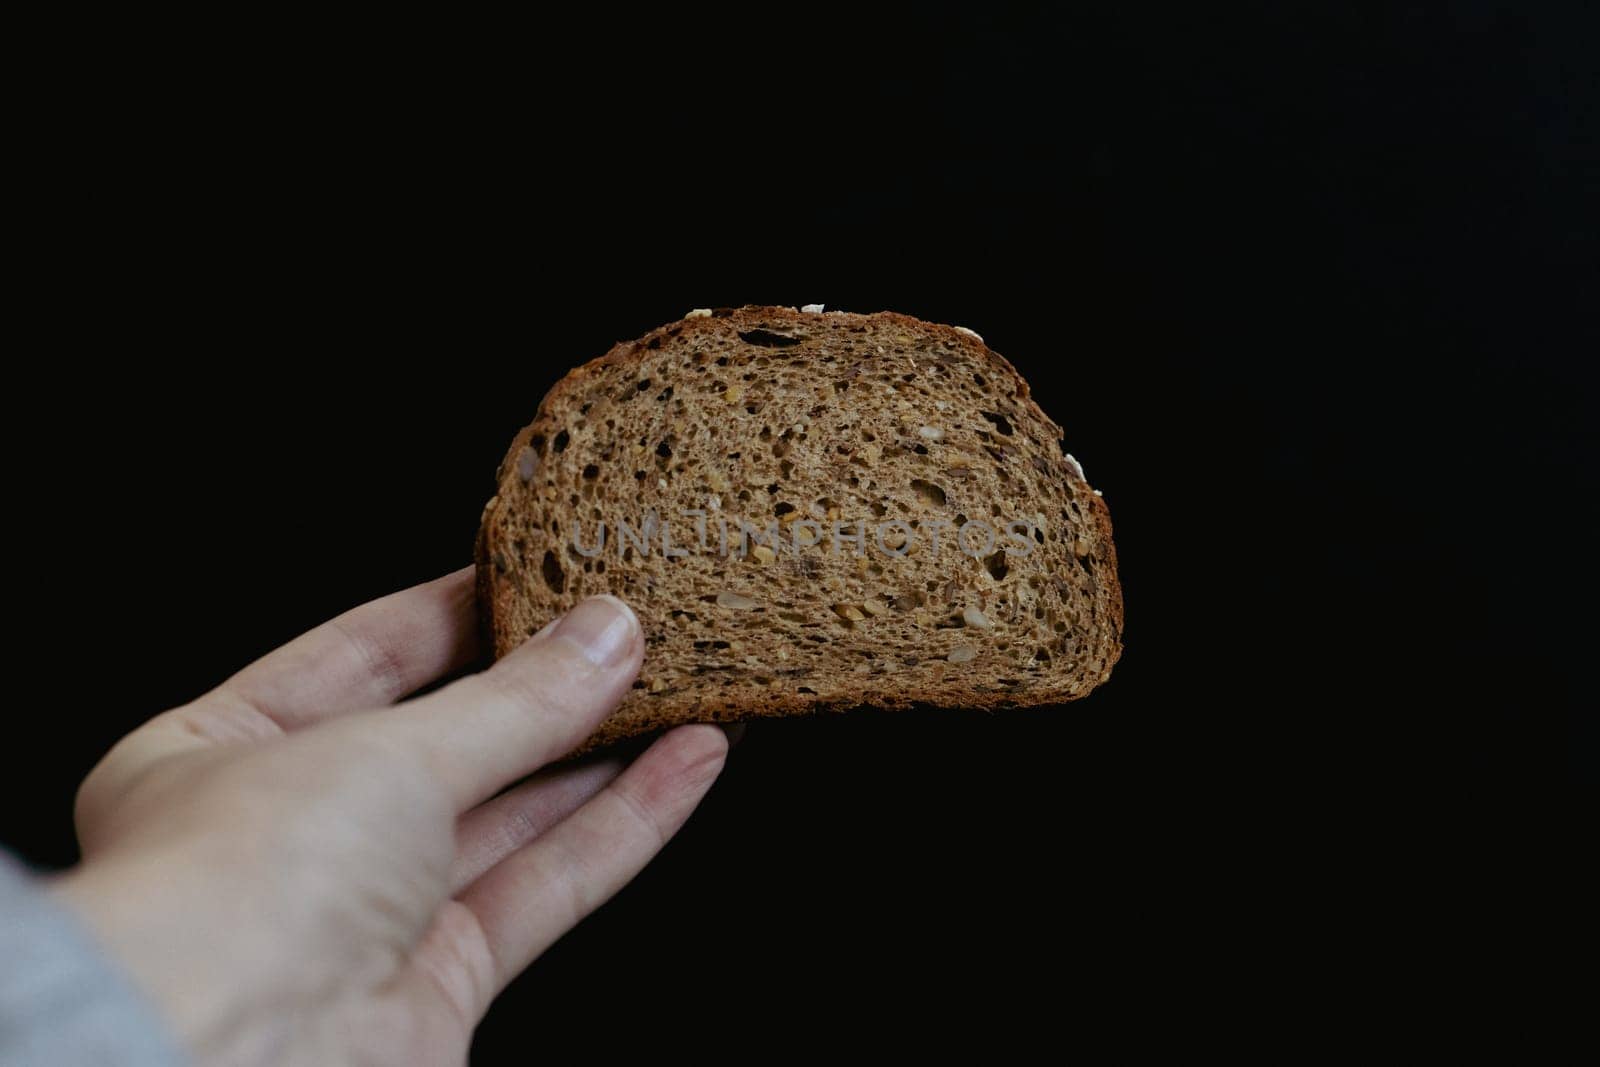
(527, 464)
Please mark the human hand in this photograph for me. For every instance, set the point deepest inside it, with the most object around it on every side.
(298, 870)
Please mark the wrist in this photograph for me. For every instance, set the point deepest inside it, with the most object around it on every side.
(132, 912)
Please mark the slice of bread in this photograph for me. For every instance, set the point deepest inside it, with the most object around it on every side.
(841, 445)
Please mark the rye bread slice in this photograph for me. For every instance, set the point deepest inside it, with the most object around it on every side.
(796, 426)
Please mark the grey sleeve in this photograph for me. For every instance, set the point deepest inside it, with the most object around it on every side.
(62, 1003)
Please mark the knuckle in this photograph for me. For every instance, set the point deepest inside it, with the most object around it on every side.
(517, 828)
(383, 660)
(663, 792)
(544, 691)
(354, 757)
(518, 687)
(572, 874)
(641, 803)
(461, 963)
(507, 828)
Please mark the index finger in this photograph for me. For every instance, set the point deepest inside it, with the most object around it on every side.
(368, 657)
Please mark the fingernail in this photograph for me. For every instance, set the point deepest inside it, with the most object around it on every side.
(603, 627)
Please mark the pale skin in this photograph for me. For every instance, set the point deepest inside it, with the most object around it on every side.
(304, 866)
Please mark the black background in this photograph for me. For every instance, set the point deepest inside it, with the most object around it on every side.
(1306, 287)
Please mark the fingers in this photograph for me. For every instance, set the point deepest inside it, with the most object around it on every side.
(365, 658)
(521, 906)
(497, 828)
(490, 729)
(368, 657)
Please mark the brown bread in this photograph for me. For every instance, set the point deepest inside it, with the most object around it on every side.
(804, 420)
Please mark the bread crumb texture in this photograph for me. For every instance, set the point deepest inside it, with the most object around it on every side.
(808, 512)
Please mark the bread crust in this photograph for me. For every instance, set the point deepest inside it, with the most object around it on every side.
(497, 599)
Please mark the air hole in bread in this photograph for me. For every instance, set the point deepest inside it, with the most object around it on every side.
(928, 493)
(767, 339)
(554, 576)
(999, 421)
